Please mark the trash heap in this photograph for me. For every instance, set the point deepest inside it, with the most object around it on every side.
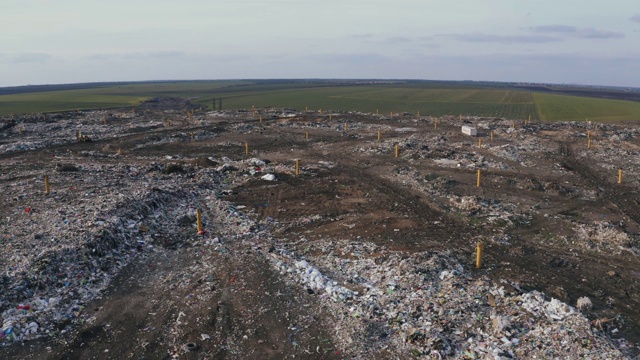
(77, 238)
(427, 304)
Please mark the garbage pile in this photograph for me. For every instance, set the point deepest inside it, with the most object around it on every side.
(63, 249)
(427, 304)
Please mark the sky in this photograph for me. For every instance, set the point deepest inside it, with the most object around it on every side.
(543, 41)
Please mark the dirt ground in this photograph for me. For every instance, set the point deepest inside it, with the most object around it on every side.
(352, 187)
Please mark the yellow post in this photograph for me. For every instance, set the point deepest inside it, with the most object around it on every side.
(588, 143)
(460, 117)
(619, 176)
(330, 117)
(391, 114)
(492, 136)
(346, 127)
(479, 256)
(418, 113)
(260, 119)
(588, 134)
(376, 111)
(47, 188)
(513, 124)
(199, 220)
(297, 167)
(307, 135)
(397, 150)
(379, 135)
(306, 108)
(246, 148)
(478, 180)
(435, 124)
(480, 142)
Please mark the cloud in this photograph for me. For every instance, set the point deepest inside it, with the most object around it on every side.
(29, 58)
(584, 33)
(358, 58)
(159, 55)
(591, 33)
(397, 40)
(168, 54)
(503, 39)
(542, 68)
(555, 29)
(361, 36)
(635, 18)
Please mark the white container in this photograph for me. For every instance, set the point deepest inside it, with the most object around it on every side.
(468, 130)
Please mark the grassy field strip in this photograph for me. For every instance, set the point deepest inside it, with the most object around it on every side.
(435, 99)
(553, 107)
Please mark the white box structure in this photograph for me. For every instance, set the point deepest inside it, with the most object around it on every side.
(468, 130)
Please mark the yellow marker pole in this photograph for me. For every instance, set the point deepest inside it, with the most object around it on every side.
(588, 143)
(306, 109)
(297, 167)
(47, 187)
(346, 127)
(418, 113)
(513, 124)
(376, 111)
(480, 142)
(199, 220)
(397, 150)
(492, 136)
(619, 176)
(479, 256)
(307, 135)
(330, 117)
(478, 180)
(460, 117)
(260, 119)
(588, 134)
(435, 124)
(246, 148)
(391, 114)
(379, 135)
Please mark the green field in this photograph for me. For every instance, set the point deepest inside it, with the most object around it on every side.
(562, 107)
(429, 98)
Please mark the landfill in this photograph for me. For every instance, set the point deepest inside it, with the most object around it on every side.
(114, 203)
